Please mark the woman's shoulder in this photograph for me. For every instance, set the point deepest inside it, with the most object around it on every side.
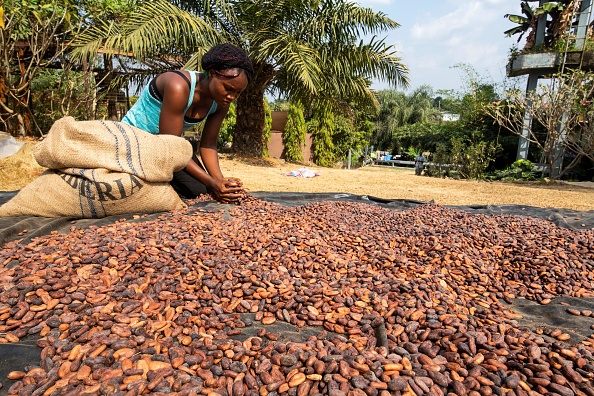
(176, 80)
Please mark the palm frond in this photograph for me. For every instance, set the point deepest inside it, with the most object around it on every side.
(345, 21)
(373, 60)
(154, 29)
(299, 61)
(88, 43)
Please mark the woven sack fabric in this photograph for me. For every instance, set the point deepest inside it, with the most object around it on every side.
(101, 168)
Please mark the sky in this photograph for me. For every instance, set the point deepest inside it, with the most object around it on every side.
(435, 35)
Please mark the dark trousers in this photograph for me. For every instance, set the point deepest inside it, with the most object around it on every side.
(186, 186)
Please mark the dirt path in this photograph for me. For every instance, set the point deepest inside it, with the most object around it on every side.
(18, 170)
(401, 183)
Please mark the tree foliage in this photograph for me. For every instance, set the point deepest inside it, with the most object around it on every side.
(564, 109)
(57, 93)
(398, 109)
(156, 34)
(422, 135)
(472, 155)
(558, 16)
(267, 128)
(321, 127)
(227, 126)
(32, 39)
(294, 133)
(473, 141)
(301, 49)
(39, 82)
(347, 136)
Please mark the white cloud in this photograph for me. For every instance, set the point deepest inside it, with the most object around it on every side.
(467, 17)
(456, 40)
(438, 34)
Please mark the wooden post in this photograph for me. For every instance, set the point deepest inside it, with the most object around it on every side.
(349, 159)
(582, 24)
(524, 142)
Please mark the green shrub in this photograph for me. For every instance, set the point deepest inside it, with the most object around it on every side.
(267, 128)
(294, 133)
(471, 158)
(523, 164)
(227, 127)
(321, 128)
(440, 160)
(519, 170)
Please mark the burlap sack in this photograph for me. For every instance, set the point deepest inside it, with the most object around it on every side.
(112, 145)
(93, 193)
(102, 168)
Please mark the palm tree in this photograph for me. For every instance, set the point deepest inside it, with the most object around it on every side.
(155, 37)
(310, 51)
(398, 109)
(420, 106)
(387, 119)
(307, 50)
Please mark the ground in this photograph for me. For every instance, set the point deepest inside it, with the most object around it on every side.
(383, 182)
(401, 183)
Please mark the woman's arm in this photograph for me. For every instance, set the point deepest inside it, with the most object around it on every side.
(175, 93)
(208, 142)
(229, 189)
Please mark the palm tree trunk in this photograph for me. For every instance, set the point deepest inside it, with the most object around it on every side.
(248, 135)
(249, 127)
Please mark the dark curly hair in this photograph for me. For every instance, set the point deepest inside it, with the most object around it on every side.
(227, 56)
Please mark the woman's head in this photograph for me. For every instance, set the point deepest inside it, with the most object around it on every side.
(229, 70)
(227, 60)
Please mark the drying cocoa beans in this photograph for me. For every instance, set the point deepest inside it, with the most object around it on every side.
(404, 303)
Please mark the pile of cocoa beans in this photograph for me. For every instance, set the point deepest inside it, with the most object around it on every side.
(410, 302)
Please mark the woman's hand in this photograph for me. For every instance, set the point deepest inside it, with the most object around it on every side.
(229, 190)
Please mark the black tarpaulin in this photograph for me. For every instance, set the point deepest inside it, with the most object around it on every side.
(19, 355)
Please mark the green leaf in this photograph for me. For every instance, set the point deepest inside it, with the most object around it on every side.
(547, 8)
(513, 31)
(517, 18)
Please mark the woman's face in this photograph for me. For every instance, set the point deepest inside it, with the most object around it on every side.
(226, 85)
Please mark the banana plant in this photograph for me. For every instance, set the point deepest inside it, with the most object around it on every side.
(527, 20)
(549, 7)
(524, 21)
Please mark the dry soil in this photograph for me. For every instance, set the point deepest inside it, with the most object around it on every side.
(383, 182)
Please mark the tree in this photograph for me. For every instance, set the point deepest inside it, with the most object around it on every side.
(421, 135)
(472, 155)
(307, 50)
(294, 133)
(267, 128)
(38, 81)
(564, 108)
(154, 37)
(32, 38)
(57, 93)
(348, 136)
(226, 133)
(105, 69)
(475, 125)
(557, 16)
(525, 22)
(398, 109)
(321, 127)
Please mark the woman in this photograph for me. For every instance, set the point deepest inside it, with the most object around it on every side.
(176, 101)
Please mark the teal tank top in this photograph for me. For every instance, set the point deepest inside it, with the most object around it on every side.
(146, 111)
